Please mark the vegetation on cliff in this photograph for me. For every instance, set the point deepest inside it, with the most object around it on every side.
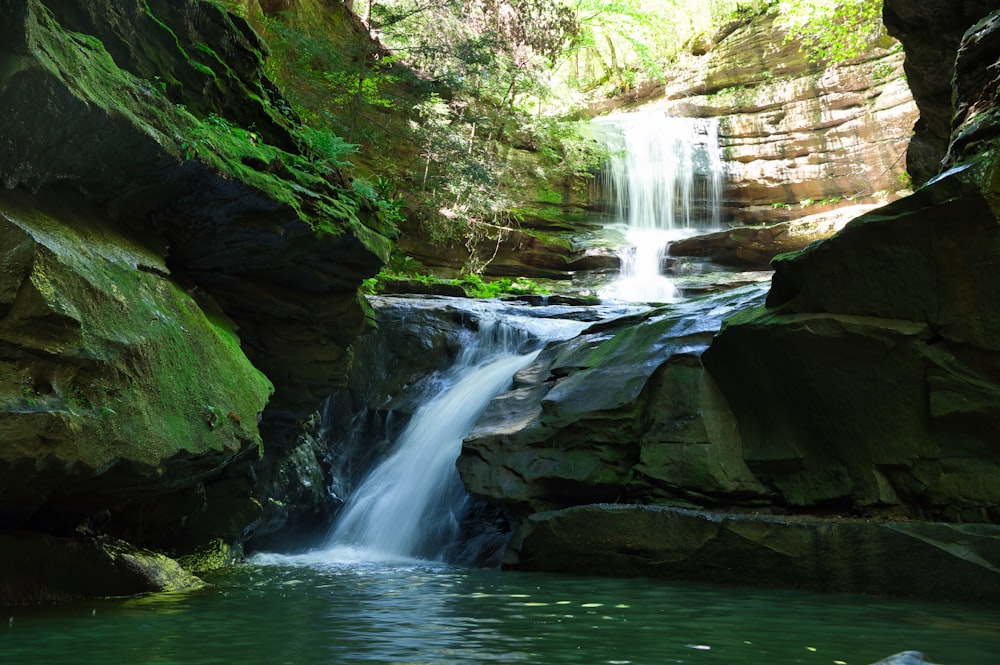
(458, 119)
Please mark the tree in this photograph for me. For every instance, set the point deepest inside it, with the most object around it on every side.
(832, 30)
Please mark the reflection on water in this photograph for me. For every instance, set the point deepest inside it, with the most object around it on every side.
(309, 611)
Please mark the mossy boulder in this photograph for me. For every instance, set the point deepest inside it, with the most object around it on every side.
(41, 569)
(181, 266)
(118, 390)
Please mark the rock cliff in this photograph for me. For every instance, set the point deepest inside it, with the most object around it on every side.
(864, 386)
(798, 136)
(180, 273)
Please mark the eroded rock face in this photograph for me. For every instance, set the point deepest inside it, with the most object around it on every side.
(753, 247)
(155, 205)
(866, 385)
(931, 32)
(623, 412)
(870, 376)
(792, 130)
(114, 378)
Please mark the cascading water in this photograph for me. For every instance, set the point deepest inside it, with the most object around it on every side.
(410, 505)
(664, 179)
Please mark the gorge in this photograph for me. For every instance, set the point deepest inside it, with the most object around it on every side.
(190, 375)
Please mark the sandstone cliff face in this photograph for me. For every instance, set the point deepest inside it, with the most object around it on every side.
(157, 202)
(864, 385)
(793, 130)
(931, 32)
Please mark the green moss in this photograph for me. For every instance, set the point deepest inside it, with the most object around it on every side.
(212, 556)
(137, 352)
(300, 181)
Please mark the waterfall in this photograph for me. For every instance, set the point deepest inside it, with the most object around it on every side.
(664, 179)
(409, 506)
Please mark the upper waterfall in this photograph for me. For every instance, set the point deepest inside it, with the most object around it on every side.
(662, 181)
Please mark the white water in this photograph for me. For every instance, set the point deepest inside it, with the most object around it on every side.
(665, 176)
(409, 506)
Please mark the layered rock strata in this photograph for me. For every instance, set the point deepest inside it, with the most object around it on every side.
(792, 129)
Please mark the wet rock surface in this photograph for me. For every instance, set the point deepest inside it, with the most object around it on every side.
(179, 280)
(930, 560)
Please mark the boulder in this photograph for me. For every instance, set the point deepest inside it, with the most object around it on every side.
(869, 377)
(905, 658)
(123, 402)
(928, 560)
(158, 196)
(753, 247)
(621, 412)
(41, 569)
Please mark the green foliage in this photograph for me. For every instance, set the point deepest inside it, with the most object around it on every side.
(473, 284)
(832, 30)
(476, 287)
(327, 146)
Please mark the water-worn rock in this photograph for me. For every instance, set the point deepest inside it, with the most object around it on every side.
(931, 560)
(37, 568)
(621, 412)
(753, 247)
(905, 658)
(156, 199)
(870, 376)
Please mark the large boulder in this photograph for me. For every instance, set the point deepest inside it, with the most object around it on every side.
(869, 378)
(115, 378)
(622, 412)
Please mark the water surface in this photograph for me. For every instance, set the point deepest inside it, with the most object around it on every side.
(311, 610)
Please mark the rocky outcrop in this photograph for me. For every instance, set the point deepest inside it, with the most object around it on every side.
(931, 33)
(159, 199)
(866, 385)
(623, 412)
(115, 378)
(753, 247)
(891, 299)
(928, 560)
(54, 569)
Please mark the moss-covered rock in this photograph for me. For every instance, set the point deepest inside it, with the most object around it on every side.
(42, 569)
(159, 195)
(118, 389)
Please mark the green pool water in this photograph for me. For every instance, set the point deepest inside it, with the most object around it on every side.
(309, 611)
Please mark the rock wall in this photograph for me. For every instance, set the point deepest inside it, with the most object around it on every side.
(931, 32)
(798, 137)
(163, 227)
(865, 385)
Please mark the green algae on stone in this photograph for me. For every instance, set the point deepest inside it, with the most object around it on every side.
(122, 365)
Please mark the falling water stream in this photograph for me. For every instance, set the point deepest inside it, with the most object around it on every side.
(664, 179)
(409, 505)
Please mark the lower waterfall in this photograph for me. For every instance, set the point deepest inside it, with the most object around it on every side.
(410, 505)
